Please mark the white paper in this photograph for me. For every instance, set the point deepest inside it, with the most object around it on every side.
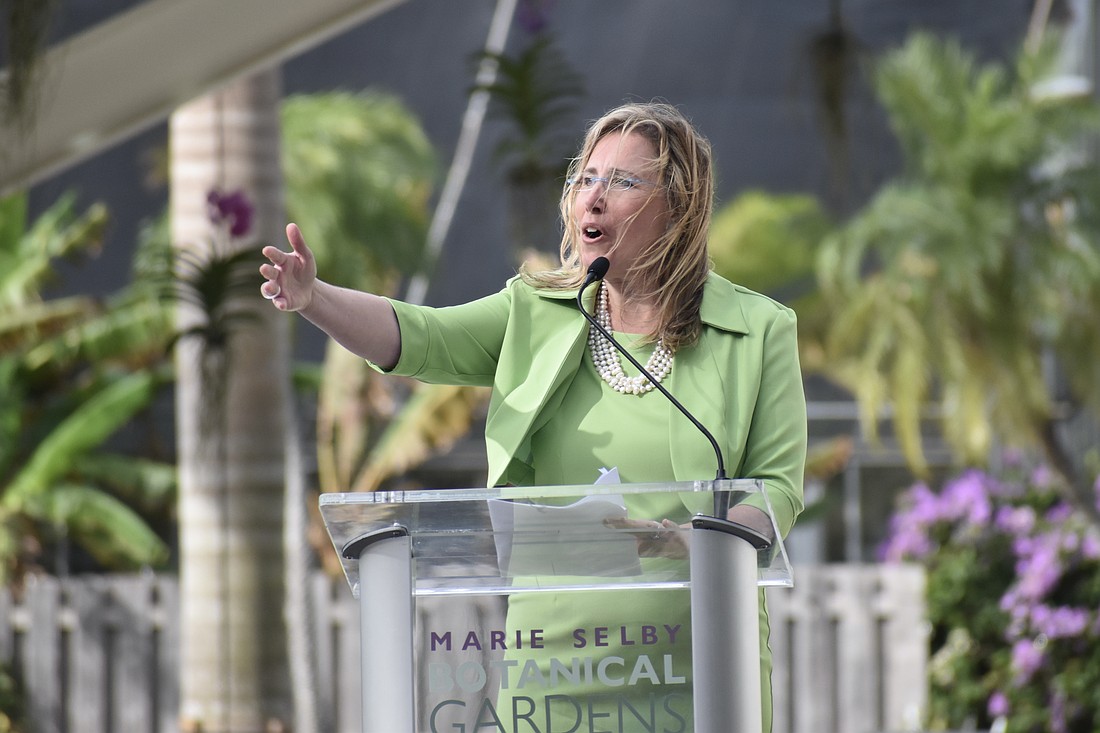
(543, 539)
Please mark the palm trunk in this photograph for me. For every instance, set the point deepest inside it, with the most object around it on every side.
(230, 426)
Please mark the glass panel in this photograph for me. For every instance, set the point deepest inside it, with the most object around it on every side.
(547, 538)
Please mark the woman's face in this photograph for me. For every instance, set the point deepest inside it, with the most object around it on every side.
(619, 210)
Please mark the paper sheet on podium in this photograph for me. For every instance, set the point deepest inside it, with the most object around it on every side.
(573, 539)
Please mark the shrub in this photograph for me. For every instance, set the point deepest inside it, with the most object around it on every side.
(1013, 600)
(11, 702)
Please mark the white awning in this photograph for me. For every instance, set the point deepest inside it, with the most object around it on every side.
(130, 72)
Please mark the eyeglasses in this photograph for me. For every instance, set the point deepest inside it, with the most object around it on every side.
(617, 184)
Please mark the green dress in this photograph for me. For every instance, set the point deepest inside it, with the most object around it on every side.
(637, 642)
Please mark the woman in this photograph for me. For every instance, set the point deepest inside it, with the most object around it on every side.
(564, 406)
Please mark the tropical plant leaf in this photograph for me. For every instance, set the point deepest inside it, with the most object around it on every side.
(432, 420)
(13, 221)
(139, 482)
(58, 232)
(220, 287)
(770, 243)
(135, 334)
(962, 278)
(359, 175)
(767, 242)
(110, 530)
(23, 327)
(92, 422)
(64, 388)
(536, 91)
(348, 405)
(11, 407)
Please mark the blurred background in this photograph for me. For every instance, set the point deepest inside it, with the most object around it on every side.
(918, 180)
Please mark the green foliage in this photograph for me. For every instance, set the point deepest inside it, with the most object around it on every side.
(359, 172)
(1013, 596)
(769, 243)
(431, 421)
(59, 232)
(977, 263)
(766, 242)
(215, 283)
(536, 92)
(12, 705)
(91, 422)
(73, 372)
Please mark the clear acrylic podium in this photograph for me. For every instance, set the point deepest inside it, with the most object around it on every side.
(398, 548)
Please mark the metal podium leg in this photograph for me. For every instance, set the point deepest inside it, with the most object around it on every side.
(725, 627)
(386, 626)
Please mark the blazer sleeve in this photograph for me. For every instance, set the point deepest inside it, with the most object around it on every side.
(453, 345)
(776, 447)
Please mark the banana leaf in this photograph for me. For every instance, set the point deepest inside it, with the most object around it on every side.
(86, 428)
(431, 421)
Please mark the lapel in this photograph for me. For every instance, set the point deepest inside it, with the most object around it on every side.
(704, 380)
(542, 352)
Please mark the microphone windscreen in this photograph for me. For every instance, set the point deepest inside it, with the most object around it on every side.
(599, 267)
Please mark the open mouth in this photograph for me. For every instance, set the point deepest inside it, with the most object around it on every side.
(591, 234)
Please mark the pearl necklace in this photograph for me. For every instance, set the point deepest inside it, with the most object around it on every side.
(606, 357)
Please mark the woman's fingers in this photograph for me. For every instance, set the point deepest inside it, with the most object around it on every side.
(297, 241)
(275, 255)
(271, 288)
(288, 275)
(298, 249)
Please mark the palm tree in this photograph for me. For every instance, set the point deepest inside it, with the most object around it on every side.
(233, 389)
(973, 277)
(73, 371)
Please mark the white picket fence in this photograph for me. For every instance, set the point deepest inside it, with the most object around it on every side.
(99, 654)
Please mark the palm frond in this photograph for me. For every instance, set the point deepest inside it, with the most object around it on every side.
(769, 242)
(107, 528)
(433, 419)
(359, 175)
(58, 232)
(139, 482)
(536, 91)
(959, 275)
(88, 426)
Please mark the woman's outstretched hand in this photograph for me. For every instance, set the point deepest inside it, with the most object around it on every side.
(289, 276)
(363, 323)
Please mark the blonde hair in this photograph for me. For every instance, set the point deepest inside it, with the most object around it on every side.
(672, 271)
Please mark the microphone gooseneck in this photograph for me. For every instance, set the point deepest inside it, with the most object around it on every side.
(596, 271)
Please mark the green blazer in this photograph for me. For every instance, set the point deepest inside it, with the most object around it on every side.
(742, 379)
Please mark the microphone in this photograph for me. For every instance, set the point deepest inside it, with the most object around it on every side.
(596, 271)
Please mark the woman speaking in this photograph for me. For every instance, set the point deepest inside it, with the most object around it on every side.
(564, 404)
